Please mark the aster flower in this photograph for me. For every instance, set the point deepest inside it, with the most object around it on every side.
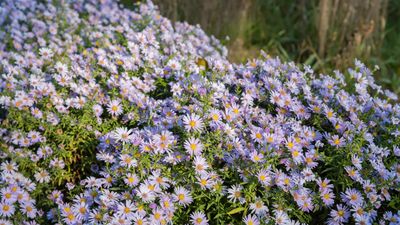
(327, 197)
(235, 193)
(264, 177)
(145, 194)
(336, 141)
(173, 64)
(57, 163)
(157, 179)
(42, 176)
(193, 122)
(140, 220)
(257, 136)
(200, 164)
(122, 134)
(193, 146)
(215, 115)
(204, 181)
(6, 209)
(258, 207)
(251, 220)
(126, 210)
(127, 160)
(95, 217)
(352, 197)
(114, 107)
(198, 218)
(341, 215)
(182, 196)
(46, 53)
(98, 110)
(256, 157)
(8, 195)
(81, 211)
(131, 180)
(157, 216)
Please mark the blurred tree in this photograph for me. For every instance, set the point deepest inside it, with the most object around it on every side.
(350, 29)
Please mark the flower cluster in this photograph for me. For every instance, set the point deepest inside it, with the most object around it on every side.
(115, 116)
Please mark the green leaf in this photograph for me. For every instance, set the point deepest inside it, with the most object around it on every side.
(237, 210)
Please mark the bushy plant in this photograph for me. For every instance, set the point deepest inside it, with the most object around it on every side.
(113, 116)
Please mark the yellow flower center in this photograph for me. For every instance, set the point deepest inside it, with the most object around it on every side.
(6, 208)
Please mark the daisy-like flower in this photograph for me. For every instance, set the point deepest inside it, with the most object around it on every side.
(198, 218)
(264, 177)
(42, 176)
(336, 141)
(98, 110)
(330, 114)
(204, 181)
(131, 180)
(6, 209)
(193, 122)
(328, 198)
(281, 218)
(145, 194)
(215, 116)
(200, 164)
(306, 205)
(46, 53)
(127, 160)
(256, 157)
(114, 107)
(34, 136)
(126, 210)
(341, 215)
(9, 166)
(182, 196)
(257, 135)
(174, 64)
(258, 207)
(176, 89)
(122, 134)
(251, 220)
(157, 216)
(80, 211)
(353, 197)
(58, 163)
(158, 180)
(193, 146)
(29, 210)
(235, 194)
(139, 219)
(8, 195)
(324, 185)
(36, 113)
(95, 217)
(352, 172)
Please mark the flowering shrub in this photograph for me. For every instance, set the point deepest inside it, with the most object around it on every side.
(112, 116)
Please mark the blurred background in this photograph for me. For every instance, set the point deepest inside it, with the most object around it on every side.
(326, 34)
